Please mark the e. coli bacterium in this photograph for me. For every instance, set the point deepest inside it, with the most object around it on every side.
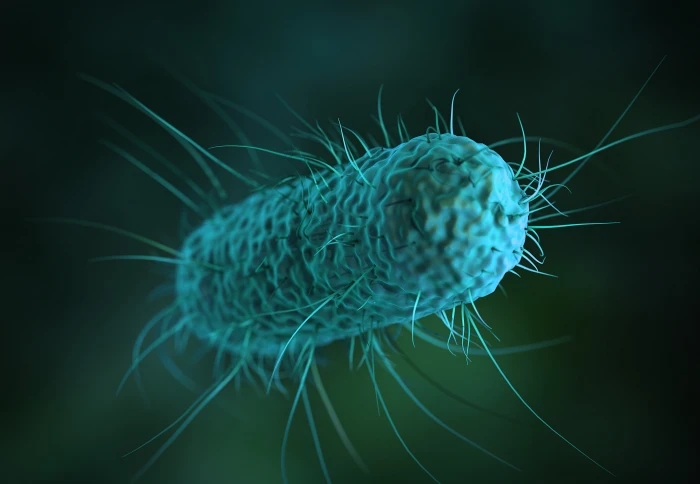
(369, 238)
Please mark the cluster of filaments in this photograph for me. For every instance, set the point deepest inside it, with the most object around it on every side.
(237, 360)
(263, 328)
(293, 359)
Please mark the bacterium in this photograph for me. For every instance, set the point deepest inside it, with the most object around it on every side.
(371, 238)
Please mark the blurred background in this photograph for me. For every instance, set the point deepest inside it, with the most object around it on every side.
(620, 390)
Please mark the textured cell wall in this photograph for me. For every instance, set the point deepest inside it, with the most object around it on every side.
(398, 234)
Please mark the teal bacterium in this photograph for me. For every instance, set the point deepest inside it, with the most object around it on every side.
(370, 238)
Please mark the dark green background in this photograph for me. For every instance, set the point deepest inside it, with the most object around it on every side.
(620, 391)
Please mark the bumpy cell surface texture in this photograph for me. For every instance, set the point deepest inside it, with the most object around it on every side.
(394, 235)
